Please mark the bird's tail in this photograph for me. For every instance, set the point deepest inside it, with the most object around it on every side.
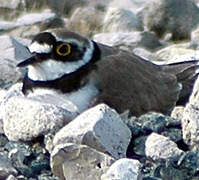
(186, 73)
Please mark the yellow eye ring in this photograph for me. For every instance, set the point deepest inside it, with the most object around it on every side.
(67, 49)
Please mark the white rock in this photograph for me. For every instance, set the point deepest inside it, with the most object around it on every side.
(100, 128)
(190, 120)
(11, 177)
(2, 95)
(123, 169)
(160, 147)
(177, 112)
(25, 119)
(33, 18)
(86, 21)
(120, 20)
(7, 25)
(190, 125)
(10, 4)
(176, 53)
(130, 40)
(72, 161)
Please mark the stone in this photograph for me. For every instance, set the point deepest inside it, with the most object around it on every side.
(152, 122)
(72, 161)
(138, 146)
(145, 54)
(33, 18)
(11, 177)
(174, 133)
(163, 16)
(120, 20)
(176, 53)
(6, 167)
(10, 4)
(159, 147)
(100, 128)
(123, 169)
(177, 112)
(25, 118)
(8, 73)
(126, 4)
(7, 25)
(129, 40)
(190, 120)
(86, 21)
(195, 38)
(65, 6)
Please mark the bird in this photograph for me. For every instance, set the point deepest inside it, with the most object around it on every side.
(89, 73)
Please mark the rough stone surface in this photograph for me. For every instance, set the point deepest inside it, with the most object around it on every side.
(100, 128)
(2, 94)
(123, 169)
(7, 25)
(176, 53)
(72, 161)
(120, 20)
(129, 40)
(177, 112)
(126, 4)
(145, 54)
(11, 177)
(65, 6)
(86, 21)
(151, 122)
(190, 121)
(33, 18)
(32, 118)
(10, 50)
(8, 73)
(6, 167)
(11, 4)
(166, 15)
(160, 147)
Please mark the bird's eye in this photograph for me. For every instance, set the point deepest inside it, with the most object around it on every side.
(63, 49)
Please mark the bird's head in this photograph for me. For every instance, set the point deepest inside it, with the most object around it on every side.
(56, 53)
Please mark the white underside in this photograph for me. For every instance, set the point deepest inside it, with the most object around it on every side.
(80, 98)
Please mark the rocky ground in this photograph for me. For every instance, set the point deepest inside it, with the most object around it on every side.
(44, 138)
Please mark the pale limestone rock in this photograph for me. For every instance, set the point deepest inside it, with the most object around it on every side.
(25, 119)
(160, 147)
(130, 40)
(100, 128)
(72, 161)
(177, 112)
(190, 120)
(176, 53)
(2, 95)
(120, 20)
(123, 169)
(86, 21)
(11, 177)
(33, 18)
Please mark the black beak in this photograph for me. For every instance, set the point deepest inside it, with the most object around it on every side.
(27, 61)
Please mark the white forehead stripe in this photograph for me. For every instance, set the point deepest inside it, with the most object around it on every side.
(40, 48)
